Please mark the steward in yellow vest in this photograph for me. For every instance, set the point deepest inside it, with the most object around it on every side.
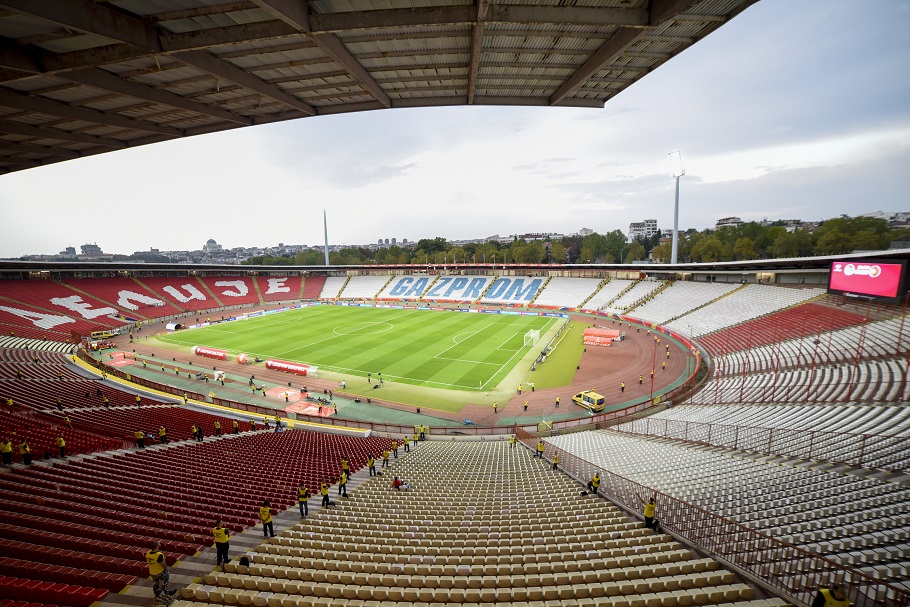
(265, 515)
(221, 542)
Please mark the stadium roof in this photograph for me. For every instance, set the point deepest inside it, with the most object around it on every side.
(83, 77)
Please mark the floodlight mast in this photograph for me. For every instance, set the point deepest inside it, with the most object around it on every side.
(325, 227)
(676, 170)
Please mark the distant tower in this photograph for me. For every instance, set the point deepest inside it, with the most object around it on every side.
(325, 227)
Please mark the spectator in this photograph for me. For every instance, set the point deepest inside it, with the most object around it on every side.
(649, 510)
(400, 485)
(594, 483)
(6, 449)
(835, 596)
(161, 579)
(265, 515)
(26, 452)
(303, 496)
(324, 491)
(343, 485)
(221, 543)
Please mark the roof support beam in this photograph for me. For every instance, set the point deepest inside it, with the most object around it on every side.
(483, 6)
(25, 148)
(608, 51)
(87, 16)
(109, 82)
(55, 108)
(296, 14)
(209, 63)
(659, 11)
(19, 128)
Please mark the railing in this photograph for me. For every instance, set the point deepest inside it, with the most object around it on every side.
(867, 450)
(790, 570)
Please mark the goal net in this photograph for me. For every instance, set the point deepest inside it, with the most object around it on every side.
(531, 337)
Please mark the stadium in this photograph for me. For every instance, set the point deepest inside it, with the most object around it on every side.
(761, 404)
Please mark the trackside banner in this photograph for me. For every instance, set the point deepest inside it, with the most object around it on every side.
(287, 366)
(209, 352)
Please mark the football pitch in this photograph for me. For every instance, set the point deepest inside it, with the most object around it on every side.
(434, 349)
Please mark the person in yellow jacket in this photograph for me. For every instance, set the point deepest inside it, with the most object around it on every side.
(162, 435)
(345, 466)
(161, 578)
(835, 596)
(61, 444)
(26, 452)
(6, 449)
(236, 427)
(540, 449)
(343, 485)
(217, 428)
(556, 460)
(265, 515)
(407, 444)
(140, 439)
(395, 448)
(303, 496)
(650, 508)
(324, 491)
(594, 483)
(385, 458)
(222, 535)
(371, 464)
(512, 441)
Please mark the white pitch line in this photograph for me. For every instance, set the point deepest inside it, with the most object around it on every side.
(546, 328)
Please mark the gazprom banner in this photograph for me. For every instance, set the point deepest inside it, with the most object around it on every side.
(287, 366)
(508, 289)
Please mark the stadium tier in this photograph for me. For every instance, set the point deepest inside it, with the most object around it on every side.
(185, 293)
(332, 287)
(281, 288)
(639, 292)
(127, 295)
(751, 301)
(562, 292)
(363, 287)
(678, 298)
(514, 290)
(312, 287)
(610, 291)
(465, 289)
(488, 534)
(860, 522)
(232, 290)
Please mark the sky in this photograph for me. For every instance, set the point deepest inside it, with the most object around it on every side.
(793, 110)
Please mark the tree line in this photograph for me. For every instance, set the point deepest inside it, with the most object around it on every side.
(748, 241)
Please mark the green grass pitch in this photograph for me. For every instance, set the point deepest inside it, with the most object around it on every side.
(448, 350)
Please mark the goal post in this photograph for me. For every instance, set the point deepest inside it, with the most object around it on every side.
(531, 337)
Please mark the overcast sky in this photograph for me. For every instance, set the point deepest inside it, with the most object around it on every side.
(793, 110)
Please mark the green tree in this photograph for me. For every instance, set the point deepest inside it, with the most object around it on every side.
(744, 249)
(661, 253)
(832, 242)
(557, 253)
(435, 245)
(785, 245)
(635, 252)
(708, 249)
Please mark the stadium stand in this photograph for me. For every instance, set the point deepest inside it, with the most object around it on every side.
(465, 289)
(513, 290)
(407, 287)
(62, 515)
(566, 292)
(187, 293)
(803, 320)
(874, 436)
(363, 287)
(607, 293)
(489, 534)
(862, 381)
(332, 287)
(29, 303)
(281, 288)
(639, 291)
(860, 522)
(740, 306)
(681, 297)
(131, 298)
(312, 287)
(874, 340)
(232, 290)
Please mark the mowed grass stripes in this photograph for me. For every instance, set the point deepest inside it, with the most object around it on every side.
(453, 350)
